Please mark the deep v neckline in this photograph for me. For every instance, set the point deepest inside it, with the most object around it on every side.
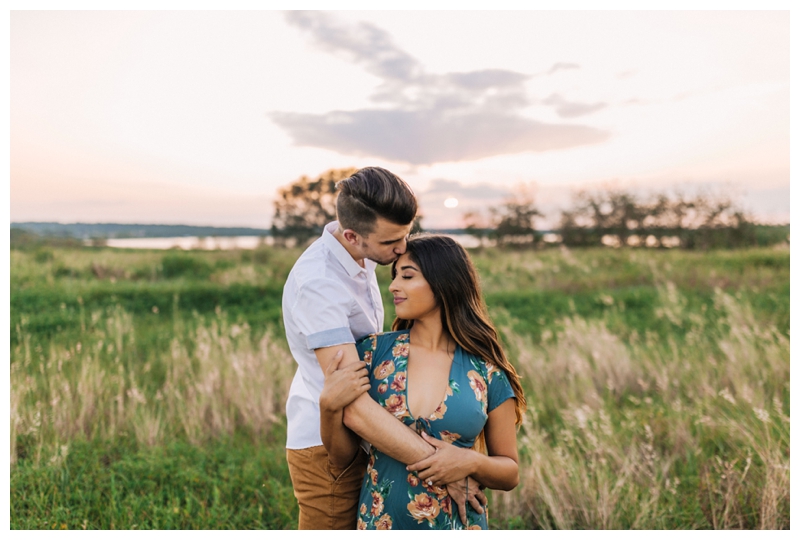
(432, 415)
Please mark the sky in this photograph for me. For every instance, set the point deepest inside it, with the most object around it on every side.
(198, 117)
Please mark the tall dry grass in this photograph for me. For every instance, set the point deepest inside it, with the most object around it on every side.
(688, 428)
(215, 378)
(614, 426)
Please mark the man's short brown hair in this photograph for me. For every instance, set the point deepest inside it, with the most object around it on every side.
(370, 193)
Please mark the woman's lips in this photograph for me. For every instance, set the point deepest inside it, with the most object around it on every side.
(398, 300)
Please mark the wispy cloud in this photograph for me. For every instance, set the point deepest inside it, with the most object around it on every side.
(424, 118)
(560, 66)
(572, 109)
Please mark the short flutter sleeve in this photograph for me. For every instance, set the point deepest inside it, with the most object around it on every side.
(366, 348)
(499, 387)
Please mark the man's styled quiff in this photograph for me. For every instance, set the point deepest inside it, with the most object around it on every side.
(370, 193)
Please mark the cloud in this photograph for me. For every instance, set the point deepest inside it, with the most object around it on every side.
(571, 109)
(424, 118)
(365, 44)
(453, 188)
(421, 138)
(560, 66)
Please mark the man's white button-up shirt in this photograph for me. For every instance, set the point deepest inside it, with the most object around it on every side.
(328, 299)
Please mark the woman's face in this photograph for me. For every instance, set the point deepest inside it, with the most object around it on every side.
(413, 297)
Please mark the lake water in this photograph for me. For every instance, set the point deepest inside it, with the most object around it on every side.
(223, 242)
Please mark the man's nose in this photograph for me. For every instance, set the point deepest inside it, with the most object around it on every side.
(401, 248)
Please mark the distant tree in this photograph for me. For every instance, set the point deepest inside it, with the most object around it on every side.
(305, 206)
(513, 222)
(416, 227)
(702, 222)
(476, 225)
(722, 225)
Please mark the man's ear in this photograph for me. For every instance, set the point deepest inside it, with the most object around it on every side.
(351, 236)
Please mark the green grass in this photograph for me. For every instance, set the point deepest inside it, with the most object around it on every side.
(147, 388)
(227, 483)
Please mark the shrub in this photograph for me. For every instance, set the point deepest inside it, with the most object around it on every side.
(178, 265)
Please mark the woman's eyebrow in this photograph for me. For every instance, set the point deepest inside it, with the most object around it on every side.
(409, 267)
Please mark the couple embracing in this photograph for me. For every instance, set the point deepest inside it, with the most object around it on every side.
(403, 429)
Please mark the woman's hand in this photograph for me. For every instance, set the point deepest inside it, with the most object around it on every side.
(343, 385)
(446, 465)
(467, 490)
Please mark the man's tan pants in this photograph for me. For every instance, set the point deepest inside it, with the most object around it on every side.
(327, 495)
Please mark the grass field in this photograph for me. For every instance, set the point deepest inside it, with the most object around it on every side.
(147, 388)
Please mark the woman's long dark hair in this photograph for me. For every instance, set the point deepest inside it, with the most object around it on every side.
(449, 271)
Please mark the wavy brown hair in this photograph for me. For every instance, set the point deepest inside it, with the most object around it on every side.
(370, 193)
(449, 271)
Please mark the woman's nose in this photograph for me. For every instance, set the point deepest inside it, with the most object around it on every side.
(393, 286)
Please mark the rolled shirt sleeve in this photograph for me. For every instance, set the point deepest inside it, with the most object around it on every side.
(321, 311)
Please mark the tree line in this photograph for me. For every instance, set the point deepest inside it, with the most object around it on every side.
(595, 218)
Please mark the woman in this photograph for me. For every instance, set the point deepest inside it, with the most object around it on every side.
(442, 372)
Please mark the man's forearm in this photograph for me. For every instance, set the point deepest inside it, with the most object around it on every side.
(387, 433)
(340, 442)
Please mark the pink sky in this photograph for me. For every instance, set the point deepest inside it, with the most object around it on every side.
(198, 117)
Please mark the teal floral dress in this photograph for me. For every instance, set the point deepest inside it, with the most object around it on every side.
(391, 497)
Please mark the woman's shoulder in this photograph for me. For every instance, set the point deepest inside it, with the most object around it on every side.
(381, 341)
(485, 367)
(472, 360)
(385, 337)
(396, 335)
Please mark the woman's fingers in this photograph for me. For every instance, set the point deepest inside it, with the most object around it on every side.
(420, 465)
(423, 474)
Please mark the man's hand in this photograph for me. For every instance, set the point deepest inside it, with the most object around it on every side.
(446, 465)
(344, 385)
(467, 490)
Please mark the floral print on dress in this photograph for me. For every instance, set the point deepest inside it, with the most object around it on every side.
(399, 382)
(384, 523)
(391, 497)
(383, 370)
(449, 437)
(424, 507)
(396, 404)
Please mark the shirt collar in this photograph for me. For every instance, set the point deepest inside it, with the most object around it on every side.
(342, 255)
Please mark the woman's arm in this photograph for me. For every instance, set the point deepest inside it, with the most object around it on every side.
(341, 387)
(498, 470)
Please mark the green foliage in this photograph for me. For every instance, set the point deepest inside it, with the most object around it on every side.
(305, 206)
(770, 235)
(178, 265)
(657, 384)
(27, 240)
(514, 223)
(229, 483)
(43, 255)
(701, 222)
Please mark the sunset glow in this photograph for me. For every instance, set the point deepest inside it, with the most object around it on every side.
(198, 117)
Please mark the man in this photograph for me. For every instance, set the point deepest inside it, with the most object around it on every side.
(330, 300)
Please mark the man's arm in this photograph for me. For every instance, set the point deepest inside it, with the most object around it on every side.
(386, 432)
(372, 422)
(341, 387)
